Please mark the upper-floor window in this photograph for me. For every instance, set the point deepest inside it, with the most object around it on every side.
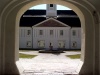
(41, 32)
(28, 32)
(61, 32)
(51, 5)
(51, 32)
(74, 33)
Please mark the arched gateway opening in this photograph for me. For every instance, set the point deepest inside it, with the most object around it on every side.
(11, 33)
(31, 41)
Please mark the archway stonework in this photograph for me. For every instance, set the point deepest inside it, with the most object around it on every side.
(10, 33)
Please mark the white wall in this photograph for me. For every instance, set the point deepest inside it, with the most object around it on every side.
(75, 38)
(34, 37)
(51, 11)
(25, 39)
(48, 38)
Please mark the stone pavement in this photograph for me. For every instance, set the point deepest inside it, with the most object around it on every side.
(50, 64)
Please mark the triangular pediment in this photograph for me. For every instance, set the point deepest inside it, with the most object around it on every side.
(51, 22)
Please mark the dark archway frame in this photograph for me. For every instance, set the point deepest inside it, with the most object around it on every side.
(10, 33)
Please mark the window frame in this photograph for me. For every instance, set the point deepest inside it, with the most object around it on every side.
(40, 32)
(39, 43)
(51, 5)
(28, 32)
(29, 44)
(60, 45)
(61, 32)
(51, 32)
(74, 32)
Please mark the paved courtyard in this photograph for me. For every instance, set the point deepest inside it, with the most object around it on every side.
(49, 64)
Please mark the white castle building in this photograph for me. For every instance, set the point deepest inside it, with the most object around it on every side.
(50, 32)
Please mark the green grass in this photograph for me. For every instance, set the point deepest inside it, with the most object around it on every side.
(77, 56)
(26, 56)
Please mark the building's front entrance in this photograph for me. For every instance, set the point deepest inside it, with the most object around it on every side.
(51, 46)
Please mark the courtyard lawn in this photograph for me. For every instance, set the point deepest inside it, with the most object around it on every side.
(77, 56)
(26, 56)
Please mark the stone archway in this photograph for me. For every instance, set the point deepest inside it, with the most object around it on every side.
(10, 32)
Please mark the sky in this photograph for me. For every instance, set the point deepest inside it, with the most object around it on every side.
(43, 7)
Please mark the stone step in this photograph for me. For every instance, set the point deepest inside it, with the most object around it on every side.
(46, 74)
(43, 74)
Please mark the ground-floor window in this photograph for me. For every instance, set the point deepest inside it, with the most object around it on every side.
(41, 44)
(74, 44)
(29, 44)
(61, 44)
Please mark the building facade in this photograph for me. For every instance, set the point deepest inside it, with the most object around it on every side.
(50, 32)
